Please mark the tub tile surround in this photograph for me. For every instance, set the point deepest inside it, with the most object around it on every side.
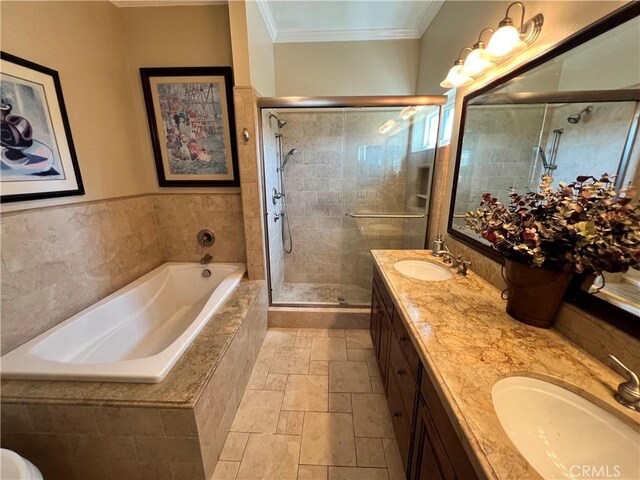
(174, 429)
(79, 253)
(467, 342)
(246, 117)
(312, 425)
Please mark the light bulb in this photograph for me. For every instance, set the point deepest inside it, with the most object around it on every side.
(475, 64)
(456, 77)
(504, 40)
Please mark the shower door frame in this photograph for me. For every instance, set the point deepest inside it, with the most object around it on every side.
(265, 103)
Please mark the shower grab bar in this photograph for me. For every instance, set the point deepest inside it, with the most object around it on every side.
(386, 215)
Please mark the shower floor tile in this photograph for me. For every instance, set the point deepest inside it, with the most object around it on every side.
(319, 433)
(323, 293)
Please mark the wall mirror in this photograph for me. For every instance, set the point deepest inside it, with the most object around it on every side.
(572, 111)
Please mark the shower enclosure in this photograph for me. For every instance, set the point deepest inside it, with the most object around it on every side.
(342, 177)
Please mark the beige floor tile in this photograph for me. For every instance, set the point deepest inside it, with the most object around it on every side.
(258, 412)
(290, 423)
(355, 355)
(370, 452)
(372, 363)
(225, 470)
(349, 377)
(318, 367)
(328, 349)
(371, 415)
(307, 393)
(392, 456)
(340, 402)
(313, 332)
(336, 332)
(276, 381)
(291, 360)
(376, 385)
(327, 439)
(234, 446)
(312, 472)
(304, 341)
(345, 473)
(280, 337)
(259, 374)
(358, 338)
(270, 457)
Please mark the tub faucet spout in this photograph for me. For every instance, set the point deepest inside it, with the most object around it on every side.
(206, 259)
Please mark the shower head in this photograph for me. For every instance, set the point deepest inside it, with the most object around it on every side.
(577, 117)
(292, 152)
(281, 123)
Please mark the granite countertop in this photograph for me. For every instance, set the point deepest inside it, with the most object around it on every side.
(467, 343)
(182, 386)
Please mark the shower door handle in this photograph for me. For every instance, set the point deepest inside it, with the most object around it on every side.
(386, 215)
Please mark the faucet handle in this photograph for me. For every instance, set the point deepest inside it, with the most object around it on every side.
(629, 391)
(463, 266)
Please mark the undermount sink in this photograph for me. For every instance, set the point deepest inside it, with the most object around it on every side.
(563, 435)
(421, 270)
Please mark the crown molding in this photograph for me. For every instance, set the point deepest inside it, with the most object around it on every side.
(265, 11)
(165, 3)
(301, 36)
(429, 14)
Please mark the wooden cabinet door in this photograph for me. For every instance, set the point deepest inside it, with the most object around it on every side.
(430, 462)
(383, 350)
(376, 312)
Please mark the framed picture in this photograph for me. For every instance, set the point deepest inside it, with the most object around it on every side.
(191, 121)
(37, 157)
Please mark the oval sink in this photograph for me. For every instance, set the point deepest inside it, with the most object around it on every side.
(563, 435)
(421, 270)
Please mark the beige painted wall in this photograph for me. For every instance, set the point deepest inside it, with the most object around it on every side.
(87, 48)
(187, 36)
(347, 68)
(261, 56)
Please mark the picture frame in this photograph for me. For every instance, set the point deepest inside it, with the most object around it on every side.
(192, 125)
(37, 155)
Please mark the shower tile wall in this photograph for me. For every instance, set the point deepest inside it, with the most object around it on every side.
(315, 183)
(343, 165)
(594, 146)
(276, 251)
(492, 162)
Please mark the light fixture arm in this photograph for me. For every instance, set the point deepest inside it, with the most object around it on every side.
(523, 14)
(480, 43)
(460, 54)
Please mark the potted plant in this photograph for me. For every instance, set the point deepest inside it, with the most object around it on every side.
(549, 235)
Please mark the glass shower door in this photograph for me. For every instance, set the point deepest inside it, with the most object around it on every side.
(389, 155)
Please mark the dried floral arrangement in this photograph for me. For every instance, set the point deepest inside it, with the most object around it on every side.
(580, 227)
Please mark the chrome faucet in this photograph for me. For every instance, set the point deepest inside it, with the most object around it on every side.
(629, 391)
(460, 265)
(206, 259)
(438, 246)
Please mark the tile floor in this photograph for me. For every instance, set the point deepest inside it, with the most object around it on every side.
(323, 293)
(314, 409)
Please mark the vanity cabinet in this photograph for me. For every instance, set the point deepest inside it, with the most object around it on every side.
(429, 446)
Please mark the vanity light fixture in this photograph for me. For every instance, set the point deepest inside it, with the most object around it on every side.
(456, 76)
(506, 41)
(476, 63)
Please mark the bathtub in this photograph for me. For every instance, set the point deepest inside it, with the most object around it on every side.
(135, 334)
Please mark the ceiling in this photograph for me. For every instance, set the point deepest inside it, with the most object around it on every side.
(331, 20)
(346, 20)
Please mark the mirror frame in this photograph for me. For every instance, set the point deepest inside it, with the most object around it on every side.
(616, 316)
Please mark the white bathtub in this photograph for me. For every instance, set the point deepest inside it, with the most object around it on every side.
(135, 334)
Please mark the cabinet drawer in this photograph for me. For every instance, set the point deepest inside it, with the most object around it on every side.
(384, 293)
(406, 345)
(400, 419)
(398, 368)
